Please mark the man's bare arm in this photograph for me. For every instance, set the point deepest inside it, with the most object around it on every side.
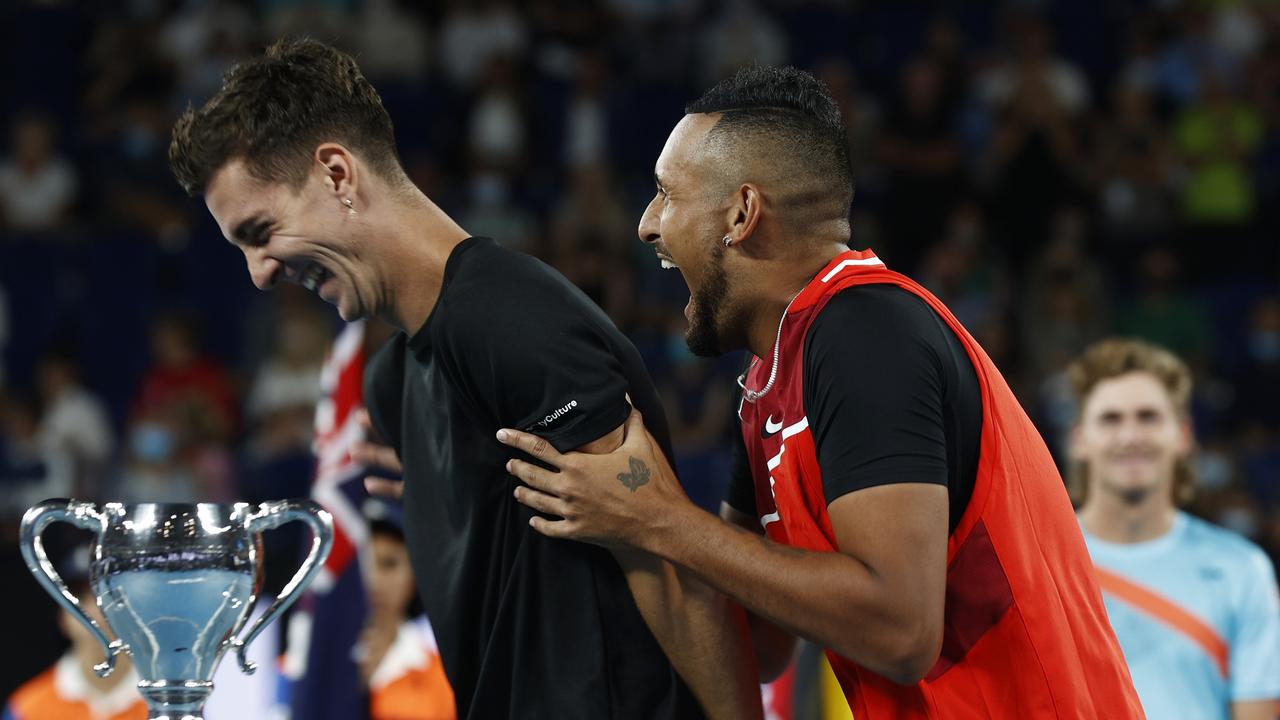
(878, 601)
(703, 633)
(774, 646)
(1255, 710)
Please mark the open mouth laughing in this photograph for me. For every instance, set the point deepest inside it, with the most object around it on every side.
(313, 277)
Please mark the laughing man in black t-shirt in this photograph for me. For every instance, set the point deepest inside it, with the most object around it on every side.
(296, 159)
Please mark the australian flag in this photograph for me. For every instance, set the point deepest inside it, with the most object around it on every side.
(320, 673)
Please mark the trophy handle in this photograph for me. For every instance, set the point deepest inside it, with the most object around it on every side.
(82, 515)
(272, 515)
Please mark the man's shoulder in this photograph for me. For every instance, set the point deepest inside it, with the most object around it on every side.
(1219, 541)
(492, 279)
(1227, 557)
(874, 326)
(875, 310)
(489, 268)
(886, 302)
(504, 295)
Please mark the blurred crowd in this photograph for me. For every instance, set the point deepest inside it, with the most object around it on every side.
(1055, 170)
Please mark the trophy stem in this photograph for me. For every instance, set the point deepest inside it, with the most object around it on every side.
(175, 701)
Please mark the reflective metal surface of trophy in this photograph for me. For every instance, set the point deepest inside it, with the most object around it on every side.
(176, 584)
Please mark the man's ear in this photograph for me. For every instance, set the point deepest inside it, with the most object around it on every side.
(1186, 438)
(743, 214)
(340, 170)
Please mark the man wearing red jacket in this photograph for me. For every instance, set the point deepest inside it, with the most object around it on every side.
(899, 506)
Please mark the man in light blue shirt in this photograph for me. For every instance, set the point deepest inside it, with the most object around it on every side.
(1195, 606)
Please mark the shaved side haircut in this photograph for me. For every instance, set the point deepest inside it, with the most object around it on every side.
(784, 120)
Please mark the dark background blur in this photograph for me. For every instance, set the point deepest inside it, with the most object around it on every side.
(1055, 170)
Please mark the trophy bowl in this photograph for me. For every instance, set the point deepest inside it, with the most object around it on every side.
(176, 583)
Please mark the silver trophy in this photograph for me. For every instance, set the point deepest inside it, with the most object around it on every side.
(176, 583)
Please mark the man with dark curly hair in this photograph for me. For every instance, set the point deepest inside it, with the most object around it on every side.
(296, 160)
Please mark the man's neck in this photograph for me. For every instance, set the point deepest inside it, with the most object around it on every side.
(781, 281)
(419, 238)
(1113, 520)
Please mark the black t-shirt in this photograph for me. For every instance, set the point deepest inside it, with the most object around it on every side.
(527, 626)
(891, 397)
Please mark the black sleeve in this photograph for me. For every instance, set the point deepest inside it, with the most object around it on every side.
(740, 493)
(548, 369)
(874, 391)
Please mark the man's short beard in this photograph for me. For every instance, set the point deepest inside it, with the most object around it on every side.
(1129, 496)
(702, 337)
(1134, 496)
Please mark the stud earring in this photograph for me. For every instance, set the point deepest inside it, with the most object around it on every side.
(351, 210)
(727, 241)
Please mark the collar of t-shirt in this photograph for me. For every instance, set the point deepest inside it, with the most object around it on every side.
(1145, 549)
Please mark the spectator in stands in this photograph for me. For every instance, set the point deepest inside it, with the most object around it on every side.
(393, 45)
(37, 185)
(1217, 137)
(1065, 302)
(135, 158)
(1259, 401)
(966, 273)
(586, 122)
(1032, 64)
(75, 425)
(317, 18)
(1163, 311)
(185, 416)
(1190, 55)
(282, 400)
(182, 376)
(589, 230)
(155, 467)
(861, 111)
(498, 149)
(922, 162)
(741, 33)
(473, 33)
(29, 470)
(1135, 168)
(203, 39)
(1034, 158)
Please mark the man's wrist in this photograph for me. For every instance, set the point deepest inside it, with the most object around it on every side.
(670, 527)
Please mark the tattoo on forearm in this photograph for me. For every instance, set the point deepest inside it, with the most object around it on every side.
(638, 476)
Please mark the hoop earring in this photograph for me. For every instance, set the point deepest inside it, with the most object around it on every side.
(727, 241)
(351, 210)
